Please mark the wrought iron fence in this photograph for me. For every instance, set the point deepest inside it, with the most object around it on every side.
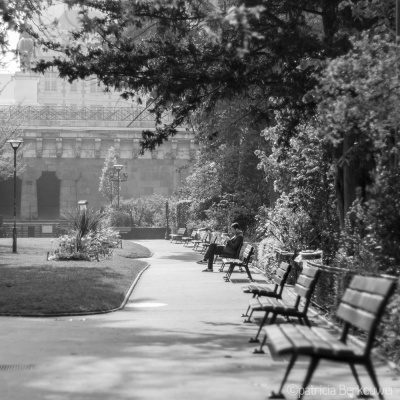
(57, 113)
(331, 285)
(332, 282)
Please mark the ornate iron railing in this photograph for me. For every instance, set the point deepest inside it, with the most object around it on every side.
(57, 113)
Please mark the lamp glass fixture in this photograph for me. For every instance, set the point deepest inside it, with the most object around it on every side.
(118, 167)
(15, 143)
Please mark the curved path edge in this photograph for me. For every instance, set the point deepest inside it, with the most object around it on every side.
(50, 315)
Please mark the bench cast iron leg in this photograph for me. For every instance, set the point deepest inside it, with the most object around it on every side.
(230, 270)
(280, 395)
(248, 273)
(247, 311)
(260, 350)
(311, 369)
(248, 320)
(255, 340)
(356, 377)
(372, 374)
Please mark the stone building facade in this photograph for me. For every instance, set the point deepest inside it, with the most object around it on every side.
(67, 131)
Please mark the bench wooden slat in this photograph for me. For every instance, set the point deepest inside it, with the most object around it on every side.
(337, 346)
(302, 291)
(359, 318)
(279, 341)
(289, 338)
(277, 280)
(305, 281)
(371, 284)
(268, 303)
(280, 272)
(364, 301)
(310, 271)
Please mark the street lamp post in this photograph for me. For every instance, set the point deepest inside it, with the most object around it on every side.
(118, 179)
(166, 215)
(15, 143)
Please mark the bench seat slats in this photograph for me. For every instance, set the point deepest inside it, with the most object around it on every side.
(306, 341)
(253, 288)
(232, 261)
(269, 304)
(274, 288)
(338, 346)
(280, 342)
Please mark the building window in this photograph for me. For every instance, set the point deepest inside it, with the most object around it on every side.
(50, 82)
(74, 86)
(95, 87)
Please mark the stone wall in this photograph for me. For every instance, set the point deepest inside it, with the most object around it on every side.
(78, 159)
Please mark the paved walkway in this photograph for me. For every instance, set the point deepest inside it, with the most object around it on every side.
(179, 337)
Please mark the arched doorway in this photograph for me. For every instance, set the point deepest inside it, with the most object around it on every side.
(7, 198)
(48, 196)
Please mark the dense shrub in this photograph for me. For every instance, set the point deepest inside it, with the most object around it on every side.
(88, 236)
(139, 212)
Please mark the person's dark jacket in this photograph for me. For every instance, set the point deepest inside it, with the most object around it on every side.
(232, 246)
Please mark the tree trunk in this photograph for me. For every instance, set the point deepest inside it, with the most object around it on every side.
(347, 177)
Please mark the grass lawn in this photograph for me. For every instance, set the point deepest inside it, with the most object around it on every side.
(30, 285)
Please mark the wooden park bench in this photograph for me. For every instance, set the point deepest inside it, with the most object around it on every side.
(203, 238)
(229, 260)
(212, 238)
(178, 235)
(243, 262)
(189, 239)
(362, 307)
(278, 279)
(304, 289)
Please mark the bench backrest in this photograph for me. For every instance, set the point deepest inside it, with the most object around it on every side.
(205, 236)
(181, 231)
(363, 303)
(237, 255)
(305, 286)
(247, 253)
(212, 237)
(222, 240)
(280, 277)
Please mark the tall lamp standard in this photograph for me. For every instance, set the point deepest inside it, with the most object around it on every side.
(15, 143)
(166, 215)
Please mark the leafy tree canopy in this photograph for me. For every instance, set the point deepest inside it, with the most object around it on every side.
(195, 54)
(13, 15)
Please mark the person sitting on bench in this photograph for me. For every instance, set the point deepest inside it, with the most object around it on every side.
(228, 251)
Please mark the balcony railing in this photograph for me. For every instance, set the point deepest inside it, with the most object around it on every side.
(65, 113)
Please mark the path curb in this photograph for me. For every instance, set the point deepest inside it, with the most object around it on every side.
(128, 294)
